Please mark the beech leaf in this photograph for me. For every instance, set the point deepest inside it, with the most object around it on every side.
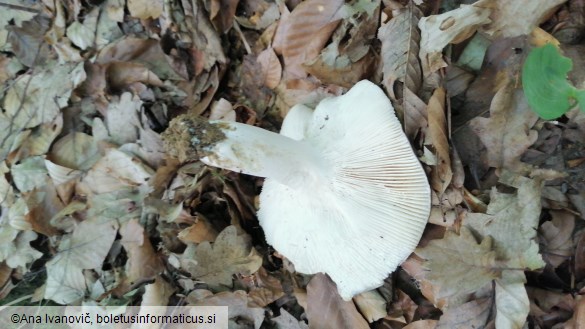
(400, 39)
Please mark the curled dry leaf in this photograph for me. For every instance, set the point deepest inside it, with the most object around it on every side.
(116, 171)
(305, 31)
(199, 232)
(221, 13)
(348, 58)
(271, 68)
(437, 31)
(515, 18)
(76, 151)
(222, 110)
(557, 237)
(438, 137)
(143, 263)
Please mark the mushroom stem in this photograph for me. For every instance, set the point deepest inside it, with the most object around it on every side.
(262, 153)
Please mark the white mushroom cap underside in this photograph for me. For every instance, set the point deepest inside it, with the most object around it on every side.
(362, 221)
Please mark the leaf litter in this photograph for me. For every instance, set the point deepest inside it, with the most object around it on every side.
(94, 210)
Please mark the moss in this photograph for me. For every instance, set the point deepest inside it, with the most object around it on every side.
(191, 137)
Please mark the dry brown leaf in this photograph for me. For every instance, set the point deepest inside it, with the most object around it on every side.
(147, 52)
(237, 303)
(85, 248)
(122, 119)
(400, 39)
(437, 31)
(422, 324)
(327, 310)
(578, 318)
(286, 321)
(474, 314)
(145, 9)
(557, 237)
(143, 263)
(27, 40)
(199, 232)
(371, 304)
(264, 289)
(349, 58)
(507, 132)
(231, 253)
(515, 18)
(459, 256)
(305, 31)
(414, 113)
(222, 110)
(120, 75)
(157, 293)
(438, 137)
(115, 171)
(271, 68)
(222, 12)
(414, 267)
(76, 150)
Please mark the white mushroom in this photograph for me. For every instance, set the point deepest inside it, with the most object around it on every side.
(344, 193)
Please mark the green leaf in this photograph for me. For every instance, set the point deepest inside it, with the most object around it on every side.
(544, 77)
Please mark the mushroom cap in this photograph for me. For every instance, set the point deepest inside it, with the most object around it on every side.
(363, 218)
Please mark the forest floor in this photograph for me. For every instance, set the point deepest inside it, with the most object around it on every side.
(94, 211)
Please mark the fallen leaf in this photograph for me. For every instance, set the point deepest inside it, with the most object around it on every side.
(222, 12)
(473, 314)
(115, 171)
(515, 18)
(511, 220)
(326, 309)
(512, 303)
(507, 133)
(271, 68)
(143, 263)
(286, 321)
(305, 31)
(237, 303)
(85, 248)
(145, 9)
(37, 98)
(437, 31)
(557, 237)
(400, 39)
(460, 257)
(422, 324)
(215, 264)
(348, 58)
(438, 137)
(371, 305)
(122, 119)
